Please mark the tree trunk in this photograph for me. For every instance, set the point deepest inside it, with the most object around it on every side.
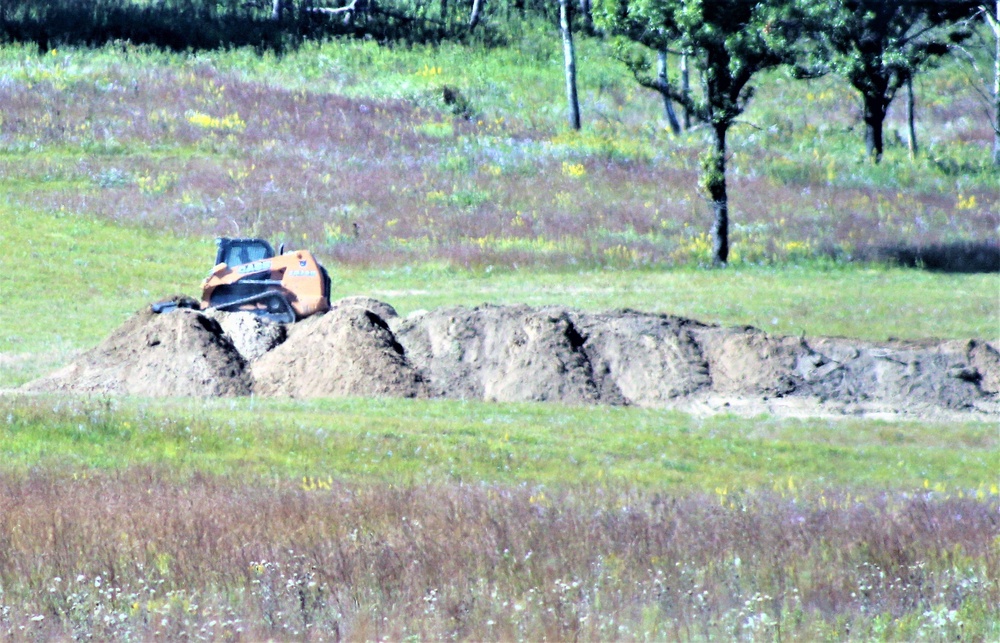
(277, 9)
(911, 117)
(996, 89)
(566, 29)
(477, 12)
(686, 88)
(714, 180)
(874, 119)
(588, 19)
(668, 105)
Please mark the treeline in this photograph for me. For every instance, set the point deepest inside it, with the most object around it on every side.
(264, 24)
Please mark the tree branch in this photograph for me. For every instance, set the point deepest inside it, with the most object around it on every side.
(332, 11)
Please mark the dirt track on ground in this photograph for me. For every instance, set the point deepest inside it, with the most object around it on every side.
(520, 353)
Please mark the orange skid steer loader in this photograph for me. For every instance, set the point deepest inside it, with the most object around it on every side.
(250, 277)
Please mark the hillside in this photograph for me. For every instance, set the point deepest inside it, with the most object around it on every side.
(373, 154)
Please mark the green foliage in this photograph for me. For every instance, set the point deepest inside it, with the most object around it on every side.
(876, 46)
(173, 24)
(181, 25)
(879, 46)
(712, 178)
(729, 42)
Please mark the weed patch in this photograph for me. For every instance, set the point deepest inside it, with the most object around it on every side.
(136, 555)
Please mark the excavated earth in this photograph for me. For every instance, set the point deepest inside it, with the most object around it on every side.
(519, 353)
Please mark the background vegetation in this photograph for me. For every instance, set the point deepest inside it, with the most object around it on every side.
(428, 172)
(460, 156)
(366, 519)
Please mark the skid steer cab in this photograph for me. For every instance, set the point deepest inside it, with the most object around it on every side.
(250, 277)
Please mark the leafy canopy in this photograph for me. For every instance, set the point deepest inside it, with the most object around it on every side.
(877, 46)
(728, 41)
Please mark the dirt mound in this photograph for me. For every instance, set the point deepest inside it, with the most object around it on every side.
(519, 353)
(350, 351)
(747, 361)
(985, 360)
(506, 353)
(183, 353)
(911, 373)
(643, 359)
(627, 357)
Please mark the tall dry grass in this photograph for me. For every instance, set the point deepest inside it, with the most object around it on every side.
(141, 555)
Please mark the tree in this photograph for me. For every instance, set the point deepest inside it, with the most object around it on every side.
(989, 88)
(663, 80)
(477, 13)
(911, 118)
(728, 41)
(686, 87)
(277, 10)
(878, 46)
(992, 17)
(569, 56)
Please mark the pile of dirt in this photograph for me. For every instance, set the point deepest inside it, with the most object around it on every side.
(350, 351)
(500, 353)
(183, 353)
(626, 348)
(519, 353)
(380, 308)
(946, 374)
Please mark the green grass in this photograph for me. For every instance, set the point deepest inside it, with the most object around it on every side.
(72, 275)
(69, 280)
(861, 301)
(424, 442)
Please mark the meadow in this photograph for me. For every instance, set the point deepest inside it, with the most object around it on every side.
(399, 519)
(461, 158)
(396, 519)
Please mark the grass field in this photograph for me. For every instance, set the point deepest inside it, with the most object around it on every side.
(353, 519)
(395, 519)
(407, 442)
